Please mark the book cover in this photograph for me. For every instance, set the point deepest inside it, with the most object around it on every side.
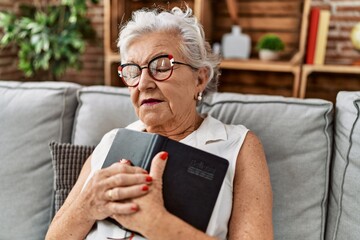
(321, 39)
(192, 178)
(312, 34)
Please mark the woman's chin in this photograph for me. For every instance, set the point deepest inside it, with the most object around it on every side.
(152, 119)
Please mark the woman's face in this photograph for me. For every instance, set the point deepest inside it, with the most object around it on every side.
(169, 103)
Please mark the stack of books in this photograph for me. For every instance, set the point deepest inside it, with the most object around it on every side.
(317, 36)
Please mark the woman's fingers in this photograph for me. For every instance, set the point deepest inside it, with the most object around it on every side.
(121, 174)
(125, 180)
(121, 182)
(123, 166)
(123, 193)
(158, 165)
(122, 208)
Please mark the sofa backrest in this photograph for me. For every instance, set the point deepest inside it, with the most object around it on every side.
(100, 110)
(296, 134)
(297, 138)
(344, 205)
(31, 115)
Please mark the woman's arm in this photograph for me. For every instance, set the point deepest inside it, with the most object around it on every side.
(83, 207)
(71, 214)
(252, 205)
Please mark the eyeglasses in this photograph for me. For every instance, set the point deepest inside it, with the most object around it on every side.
(159, 68)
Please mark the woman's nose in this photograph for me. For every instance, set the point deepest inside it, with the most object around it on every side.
(146, 81)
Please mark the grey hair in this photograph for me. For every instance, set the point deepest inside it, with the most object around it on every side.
(193, 45)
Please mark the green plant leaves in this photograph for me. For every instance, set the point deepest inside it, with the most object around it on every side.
(270, 42)
(51, 38)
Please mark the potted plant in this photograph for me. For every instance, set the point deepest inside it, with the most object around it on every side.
(269, 47)
(50, 37)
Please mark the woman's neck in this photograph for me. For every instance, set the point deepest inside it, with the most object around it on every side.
(177, 130)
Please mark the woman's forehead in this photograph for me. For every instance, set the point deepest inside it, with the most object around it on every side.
(150, 45)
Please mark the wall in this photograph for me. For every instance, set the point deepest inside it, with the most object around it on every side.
(8, 55)
(92, 71)
(344, 15)
(93, 58)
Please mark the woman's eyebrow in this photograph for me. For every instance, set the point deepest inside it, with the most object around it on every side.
(148, 59)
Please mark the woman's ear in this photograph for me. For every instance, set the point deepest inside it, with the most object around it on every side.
(203, 78)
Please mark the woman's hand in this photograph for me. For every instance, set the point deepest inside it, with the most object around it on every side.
(109, 191)
(151, 205)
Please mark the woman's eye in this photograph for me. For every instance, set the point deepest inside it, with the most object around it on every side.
(162, 69)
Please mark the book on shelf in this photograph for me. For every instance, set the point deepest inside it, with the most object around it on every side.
(312, 34)
(321, 38)
(192, 178)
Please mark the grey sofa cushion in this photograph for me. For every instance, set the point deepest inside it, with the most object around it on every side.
(344, 204)
(67, 160)
(101, 109)
(296, 135)
(31, 115)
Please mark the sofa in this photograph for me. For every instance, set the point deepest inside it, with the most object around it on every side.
(312, 148)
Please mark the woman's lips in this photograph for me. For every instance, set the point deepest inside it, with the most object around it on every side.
(150, 101)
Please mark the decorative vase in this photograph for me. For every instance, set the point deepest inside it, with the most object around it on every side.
(236, 44)
(268, 55)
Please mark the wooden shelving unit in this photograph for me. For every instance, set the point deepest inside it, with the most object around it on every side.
(307, 70)
(279, 17)
(289, 19)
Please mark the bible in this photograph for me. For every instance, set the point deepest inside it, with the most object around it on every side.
(192, 177)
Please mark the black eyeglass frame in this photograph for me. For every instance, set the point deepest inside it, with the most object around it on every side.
(172, 62)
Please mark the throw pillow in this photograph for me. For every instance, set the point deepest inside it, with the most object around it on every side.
(67, 160)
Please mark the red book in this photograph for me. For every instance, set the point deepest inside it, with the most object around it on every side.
(312, 35)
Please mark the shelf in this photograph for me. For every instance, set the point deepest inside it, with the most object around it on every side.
(331, 69)
(258, 65)
(308, 69)
(269, 66)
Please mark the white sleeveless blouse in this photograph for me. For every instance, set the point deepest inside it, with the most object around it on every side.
(212, 136)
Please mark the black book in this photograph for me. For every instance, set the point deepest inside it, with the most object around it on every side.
(192, 178)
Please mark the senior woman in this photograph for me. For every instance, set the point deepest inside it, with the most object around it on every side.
(168, 67)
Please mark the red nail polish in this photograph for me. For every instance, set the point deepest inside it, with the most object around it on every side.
(134, 208)
(149, 179)
(145, 188)
(164, 156)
